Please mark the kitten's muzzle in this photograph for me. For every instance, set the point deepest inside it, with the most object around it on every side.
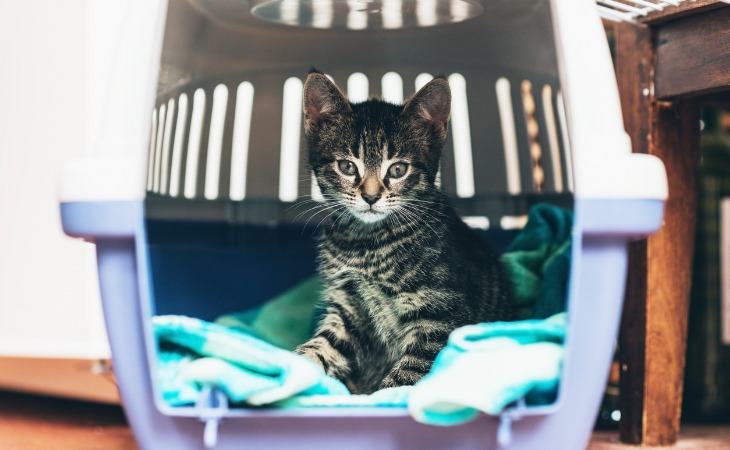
(370, 199)
(371, 190)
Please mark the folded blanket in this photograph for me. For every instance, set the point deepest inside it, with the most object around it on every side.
(194, 354)
(487, 367)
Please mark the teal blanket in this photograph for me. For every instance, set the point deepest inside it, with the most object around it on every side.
(489, 366)
(484, 367)
(195, 354)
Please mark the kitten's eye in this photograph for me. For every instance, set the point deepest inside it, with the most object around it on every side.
(397, 170)
(347, 167)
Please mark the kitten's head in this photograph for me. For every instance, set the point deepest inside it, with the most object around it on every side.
(375, 157)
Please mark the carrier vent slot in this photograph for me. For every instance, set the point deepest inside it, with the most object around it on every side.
(165, 163)
(177, 148)
(509, 136)
(461, 135)
(357, 16)
(358, 87)
(512, 222)
(422, 79)
(215, 142)
(316, 192)
(392, 14)
(241, 138)
(196, 131)
(426, 13)
(151, 156)
(533, 136)
(289, 10)
(323, 17)
(161, 115)
(392, 87)
(552, 136)
(291, 123)
(460, 11)
(567, 152)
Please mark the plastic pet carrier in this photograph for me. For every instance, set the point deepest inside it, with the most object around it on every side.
(200, 210)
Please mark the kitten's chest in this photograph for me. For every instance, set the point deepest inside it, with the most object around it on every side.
(377, 296)
(379, 264)
(377, 304)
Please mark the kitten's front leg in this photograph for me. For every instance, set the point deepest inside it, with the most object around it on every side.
(332, 347)
(422, 342)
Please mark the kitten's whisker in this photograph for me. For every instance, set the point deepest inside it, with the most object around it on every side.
(300, 204)
(314, 210)
(410, 223)
(393, 217)
(426, 209)
(310, 201)
(323, 209)
(416, 200)
(314, 213)
(410, 220)
(424, 202)
(338, 218)
(325, 218)
(397, 214)
(423, 213)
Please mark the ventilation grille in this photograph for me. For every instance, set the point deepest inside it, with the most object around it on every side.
(243, 140)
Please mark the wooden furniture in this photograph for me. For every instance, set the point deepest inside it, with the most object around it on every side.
(667, 64)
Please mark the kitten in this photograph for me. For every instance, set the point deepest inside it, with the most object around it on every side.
(401, 269)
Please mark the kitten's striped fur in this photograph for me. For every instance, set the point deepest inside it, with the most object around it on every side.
(401, 269)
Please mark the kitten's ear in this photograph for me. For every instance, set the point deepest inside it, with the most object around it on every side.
(430, 107)
(322, 100)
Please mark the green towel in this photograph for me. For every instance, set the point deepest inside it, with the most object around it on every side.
(286, 320)
(538, 262)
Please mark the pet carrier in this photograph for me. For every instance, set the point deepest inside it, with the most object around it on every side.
(195, 211)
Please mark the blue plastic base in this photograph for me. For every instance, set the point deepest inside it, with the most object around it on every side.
(596, 292)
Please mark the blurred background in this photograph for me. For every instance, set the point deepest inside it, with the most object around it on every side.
(52, 336)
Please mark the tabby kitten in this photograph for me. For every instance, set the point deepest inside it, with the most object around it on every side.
(400, 268)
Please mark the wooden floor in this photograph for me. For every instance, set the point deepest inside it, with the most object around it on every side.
(29, 422)
(695, 437)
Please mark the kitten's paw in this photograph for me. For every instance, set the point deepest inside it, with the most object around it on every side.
(398, 378)
(311, 354)
(388, 382)
(332, 362)
(386, 385)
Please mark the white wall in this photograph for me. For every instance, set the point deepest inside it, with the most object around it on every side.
(49, 301)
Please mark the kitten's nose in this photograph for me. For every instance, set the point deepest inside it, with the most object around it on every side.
(371, 199)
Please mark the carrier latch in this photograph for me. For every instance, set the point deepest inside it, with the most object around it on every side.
(211, 406)
(504, 430)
